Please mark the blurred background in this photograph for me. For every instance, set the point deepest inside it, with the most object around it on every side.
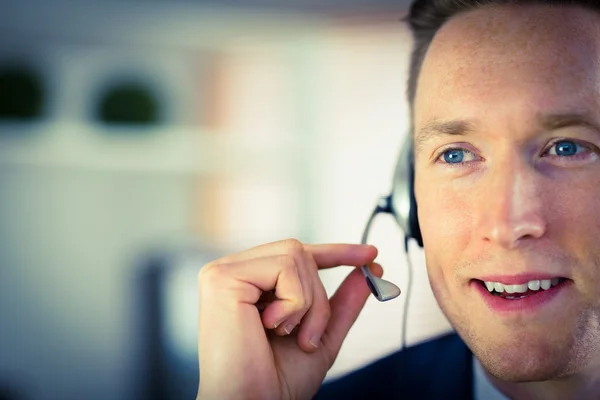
(140, 140)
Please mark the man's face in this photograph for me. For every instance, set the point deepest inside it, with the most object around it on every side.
(507, 125)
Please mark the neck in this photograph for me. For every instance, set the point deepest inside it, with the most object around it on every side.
(584, 385)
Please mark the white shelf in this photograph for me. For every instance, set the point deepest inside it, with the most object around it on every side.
(171, 150)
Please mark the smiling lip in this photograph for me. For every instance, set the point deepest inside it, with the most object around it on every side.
(529, 304)
(517, 279)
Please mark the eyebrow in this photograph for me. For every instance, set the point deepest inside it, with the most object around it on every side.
(553, 122)
(435, 127)
(547, 122)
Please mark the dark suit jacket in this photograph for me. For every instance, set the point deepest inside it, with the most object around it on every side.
(437, 369)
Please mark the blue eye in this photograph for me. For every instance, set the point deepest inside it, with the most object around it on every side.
(454, 156)
(564, 148)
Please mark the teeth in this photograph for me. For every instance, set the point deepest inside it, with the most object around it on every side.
(533, 285)
(498, 287)
(544, 284)
(521, 288)
(515, 288)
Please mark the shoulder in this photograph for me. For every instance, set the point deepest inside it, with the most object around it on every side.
(433, 369)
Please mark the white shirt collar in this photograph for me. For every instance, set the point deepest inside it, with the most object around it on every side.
(482, 387)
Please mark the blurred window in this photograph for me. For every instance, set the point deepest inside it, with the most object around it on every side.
(21, 93)
(128, 104)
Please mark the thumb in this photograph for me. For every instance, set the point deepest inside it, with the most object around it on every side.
(346, 304)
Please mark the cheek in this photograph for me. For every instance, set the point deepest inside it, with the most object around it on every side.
(577, 220)
(574, 223)
(572, 209)
(446, 219)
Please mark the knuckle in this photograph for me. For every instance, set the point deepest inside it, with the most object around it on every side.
(290, 265)
(294, 247)
(288, 262)
(302, 305)
(209, 275)
(202, 273)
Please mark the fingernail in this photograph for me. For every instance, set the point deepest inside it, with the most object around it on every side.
(288, 328)
(276, 324)
(315, 340)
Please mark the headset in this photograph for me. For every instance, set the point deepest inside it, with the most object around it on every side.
(402, 205)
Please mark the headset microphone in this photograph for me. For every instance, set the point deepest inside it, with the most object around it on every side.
(402, 205)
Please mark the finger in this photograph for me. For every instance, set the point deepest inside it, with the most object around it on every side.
(245, 281)
(346, 305)
(317, 317)
(326, 255)
(333, 255)
(275, 248)
(306, 267)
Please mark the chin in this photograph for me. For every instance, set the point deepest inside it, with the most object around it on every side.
(524, 359)
(517, 371)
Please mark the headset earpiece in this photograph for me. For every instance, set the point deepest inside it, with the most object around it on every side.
(403, 204)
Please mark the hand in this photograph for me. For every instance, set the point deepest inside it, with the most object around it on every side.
(285, 350)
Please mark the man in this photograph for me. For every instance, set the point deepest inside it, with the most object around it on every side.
(505, 101)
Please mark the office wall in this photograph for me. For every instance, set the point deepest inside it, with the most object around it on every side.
(275, 126)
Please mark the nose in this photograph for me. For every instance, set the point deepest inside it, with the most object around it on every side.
(511, 209)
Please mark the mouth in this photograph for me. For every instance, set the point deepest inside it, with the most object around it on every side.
(520, 291)
(520, 294)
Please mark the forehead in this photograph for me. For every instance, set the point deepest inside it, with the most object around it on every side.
(528, 58)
